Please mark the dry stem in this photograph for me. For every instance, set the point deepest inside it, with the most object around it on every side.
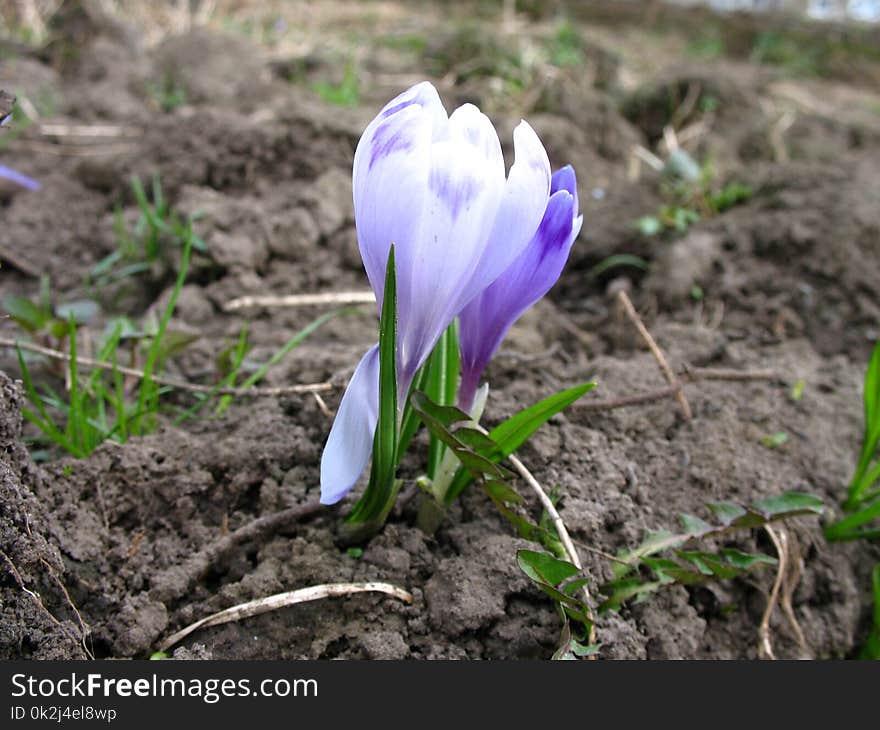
(282, 600)
(633, 316)
(561, 531)
(765, 647)
(301, 300)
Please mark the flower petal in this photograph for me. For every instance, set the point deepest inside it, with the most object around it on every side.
(522, 207)
(350, 442)
(485, 320)
(390, 179)
(564, 179)
(7, 173)
(465, 187)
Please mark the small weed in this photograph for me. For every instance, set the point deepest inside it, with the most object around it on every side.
(566, 46)
(166, 93)
(691, 197)
(775, 440)
(98, 408)
(797, 58)
(158, 230)
(708, 46)
(48, 322)
(862, 503)
(411, 42)
(345, 93)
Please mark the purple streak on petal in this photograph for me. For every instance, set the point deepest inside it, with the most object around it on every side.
(390, 188)
(465, 189)
(350, 442)
(7, 173)
(485, 321)
(454, 194)
(389, 137)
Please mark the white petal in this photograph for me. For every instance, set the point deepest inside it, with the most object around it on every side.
(525, 199)
(390, 176)
(465, 185)
(350, 442)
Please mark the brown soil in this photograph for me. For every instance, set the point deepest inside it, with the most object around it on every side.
(788, 282)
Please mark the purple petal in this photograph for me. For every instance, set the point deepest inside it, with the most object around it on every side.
(485, 321)
(564, 179)
(7, 173)
(350, 442)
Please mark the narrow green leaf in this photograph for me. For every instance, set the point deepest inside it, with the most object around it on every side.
(148, 396)
(377, 499)
(849, 528)
(410, 422)
(620, 591)
(441, 386)
(515, 431)
(437, 419)
(871, 439)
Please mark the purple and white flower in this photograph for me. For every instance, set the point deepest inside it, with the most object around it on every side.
(434, 185)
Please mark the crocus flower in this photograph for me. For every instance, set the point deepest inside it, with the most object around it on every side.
(485, 321)
(7, 173)
(434, 185)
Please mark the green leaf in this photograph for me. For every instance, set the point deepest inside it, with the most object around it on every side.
(849, 528)
(28, 315)
(726, 512)
(745, 561)
(616, 261)
(860, 484)
(441, 386)
(775, 440)
(543, 567)
(694, 525)
(620, 591)
(499, 493)
(789, 504)
(499, 490)
(649, 225)
(377, 499)
(81, 311)
(515, 431)
(437, 418)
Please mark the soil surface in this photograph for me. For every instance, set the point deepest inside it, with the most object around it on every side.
(105, 556)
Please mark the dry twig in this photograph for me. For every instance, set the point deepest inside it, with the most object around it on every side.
(283, 600)
(633, 317)
(300, 300)
(765, 646)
